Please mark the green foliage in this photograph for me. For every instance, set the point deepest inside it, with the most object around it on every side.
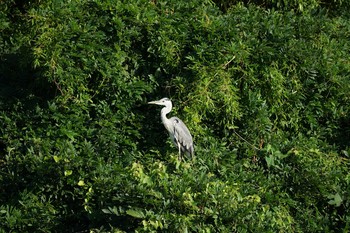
(301, 6)
(262, 85)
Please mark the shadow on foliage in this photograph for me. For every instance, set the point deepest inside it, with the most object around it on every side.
(20, 82)
(22, 89)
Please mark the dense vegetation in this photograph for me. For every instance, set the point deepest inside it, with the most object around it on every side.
(264, 87)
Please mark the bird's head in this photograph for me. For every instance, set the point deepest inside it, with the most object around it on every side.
(165, 102)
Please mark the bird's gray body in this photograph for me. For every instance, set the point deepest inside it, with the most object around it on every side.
(181, 136)
(178, 131)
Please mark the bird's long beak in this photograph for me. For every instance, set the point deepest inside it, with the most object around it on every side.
(154, 102)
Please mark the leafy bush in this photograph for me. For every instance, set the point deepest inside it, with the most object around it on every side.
(263, 87)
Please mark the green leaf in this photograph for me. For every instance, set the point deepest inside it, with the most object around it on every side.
(113, 210)
(68, 172)
(136, 213)
(270, 160)
(81, 183)
(335, 200)
(56, 158)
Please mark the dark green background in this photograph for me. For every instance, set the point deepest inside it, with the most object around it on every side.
(81, 151)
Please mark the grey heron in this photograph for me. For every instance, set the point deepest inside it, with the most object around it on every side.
(178, 131)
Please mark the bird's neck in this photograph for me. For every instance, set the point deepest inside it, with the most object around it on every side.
(163, 113)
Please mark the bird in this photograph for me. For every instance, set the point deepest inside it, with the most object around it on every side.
(178, 131)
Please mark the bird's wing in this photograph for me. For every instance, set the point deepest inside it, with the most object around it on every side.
(182, 135)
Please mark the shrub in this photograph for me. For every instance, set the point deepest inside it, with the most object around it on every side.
(263, 87)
